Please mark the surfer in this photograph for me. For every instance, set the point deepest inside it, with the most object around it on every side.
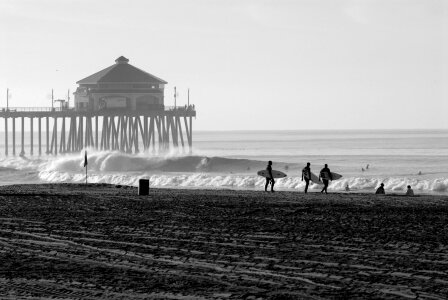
(409, 192)
(325, 174)
(306, 173)
(380, 190)
(269, 179)
(347, 188)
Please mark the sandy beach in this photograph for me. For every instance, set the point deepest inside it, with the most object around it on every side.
(104, 241)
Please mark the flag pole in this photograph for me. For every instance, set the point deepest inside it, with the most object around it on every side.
(85, 164)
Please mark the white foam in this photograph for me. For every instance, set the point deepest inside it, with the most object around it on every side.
(178, 170)
(205, 180)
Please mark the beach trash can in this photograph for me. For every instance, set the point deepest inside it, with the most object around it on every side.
(143, 186)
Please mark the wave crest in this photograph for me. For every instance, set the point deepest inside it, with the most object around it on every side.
(121, 162)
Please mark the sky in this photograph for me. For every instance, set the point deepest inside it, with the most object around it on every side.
(249, 64)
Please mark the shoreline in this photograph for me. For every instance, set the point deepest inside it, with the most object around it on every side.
(100, 241)
(67, 186)
(236, 189)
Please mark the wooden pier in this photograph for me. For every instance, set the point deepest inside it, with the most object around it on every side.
(120, 108)
(68, 131)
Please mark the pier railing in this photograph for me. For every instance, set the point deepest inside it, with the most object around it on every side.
(32, 109)
(51, 109)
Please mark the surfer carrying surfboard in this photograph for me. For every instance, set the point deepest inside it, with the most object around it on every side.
(325, 174)
(306, 174)
(269, 179)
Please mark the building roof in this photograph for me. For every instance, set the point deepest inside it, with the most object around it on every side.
(121, 72)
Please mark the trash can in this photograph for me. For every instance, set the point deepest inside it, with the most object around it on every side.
(143, 186)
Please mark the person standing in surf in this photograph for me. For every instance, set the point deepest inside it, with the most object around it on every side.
(306, 173)
(269, 179)
(325, 174)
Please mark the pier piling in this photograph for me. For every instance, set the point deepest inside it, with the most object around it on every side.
(129, 132)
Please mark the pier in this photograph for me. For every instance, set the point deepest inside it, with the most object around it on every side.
(71, 131)
(120, 108)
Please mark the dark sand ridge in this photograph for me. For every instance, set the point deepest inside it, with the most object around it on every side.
(69, 241)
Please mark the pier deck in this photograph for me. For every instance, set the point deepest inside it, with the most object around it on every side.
(41, 112)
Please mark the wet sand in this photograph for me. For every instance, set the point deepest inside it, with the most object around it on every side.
(105, 242)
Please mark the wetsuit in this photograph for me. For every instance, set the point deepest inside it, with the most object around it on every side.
(325, 179)
(306, 174)
(269, 179)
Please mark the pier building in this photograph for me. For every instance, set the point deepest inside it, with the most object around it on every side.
(120, 86)
(118, 108)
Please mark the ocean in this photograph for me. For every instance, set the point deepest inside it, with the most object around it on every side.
(230, 160)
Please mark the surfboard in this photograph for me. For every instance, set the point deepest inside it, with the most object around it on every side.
(335, 176)
(275, 173)
(314, 178)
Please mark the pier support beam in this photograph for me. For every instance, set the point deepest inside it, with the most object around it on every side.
(31, 136)
(54, 138)
(13, 136)
(48, 135)
(145, 134)
(39, 125)
(190, 140)
(179, 127)
(160, 132)
(96, 132)
(6, 136)
(80, 141)
(22, 152)
(152, 132)
(62, 148)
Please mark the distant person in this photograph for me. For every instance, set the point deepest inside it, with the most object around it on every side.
(362, 169)
(419, 172)
(367, 167)
(347, 188)
(325, 174)
(380, 190)
(306, 174)
(269, 179)
(409, 192)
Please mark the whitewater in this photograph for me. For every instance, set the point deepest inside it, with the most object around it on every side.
(230, 160)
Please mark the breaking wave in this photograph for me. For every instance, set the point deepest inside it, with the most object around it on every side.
(174, 171)
(121, 162)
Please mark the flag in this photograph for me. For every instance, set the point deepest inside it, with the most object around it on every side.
(85, 160)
